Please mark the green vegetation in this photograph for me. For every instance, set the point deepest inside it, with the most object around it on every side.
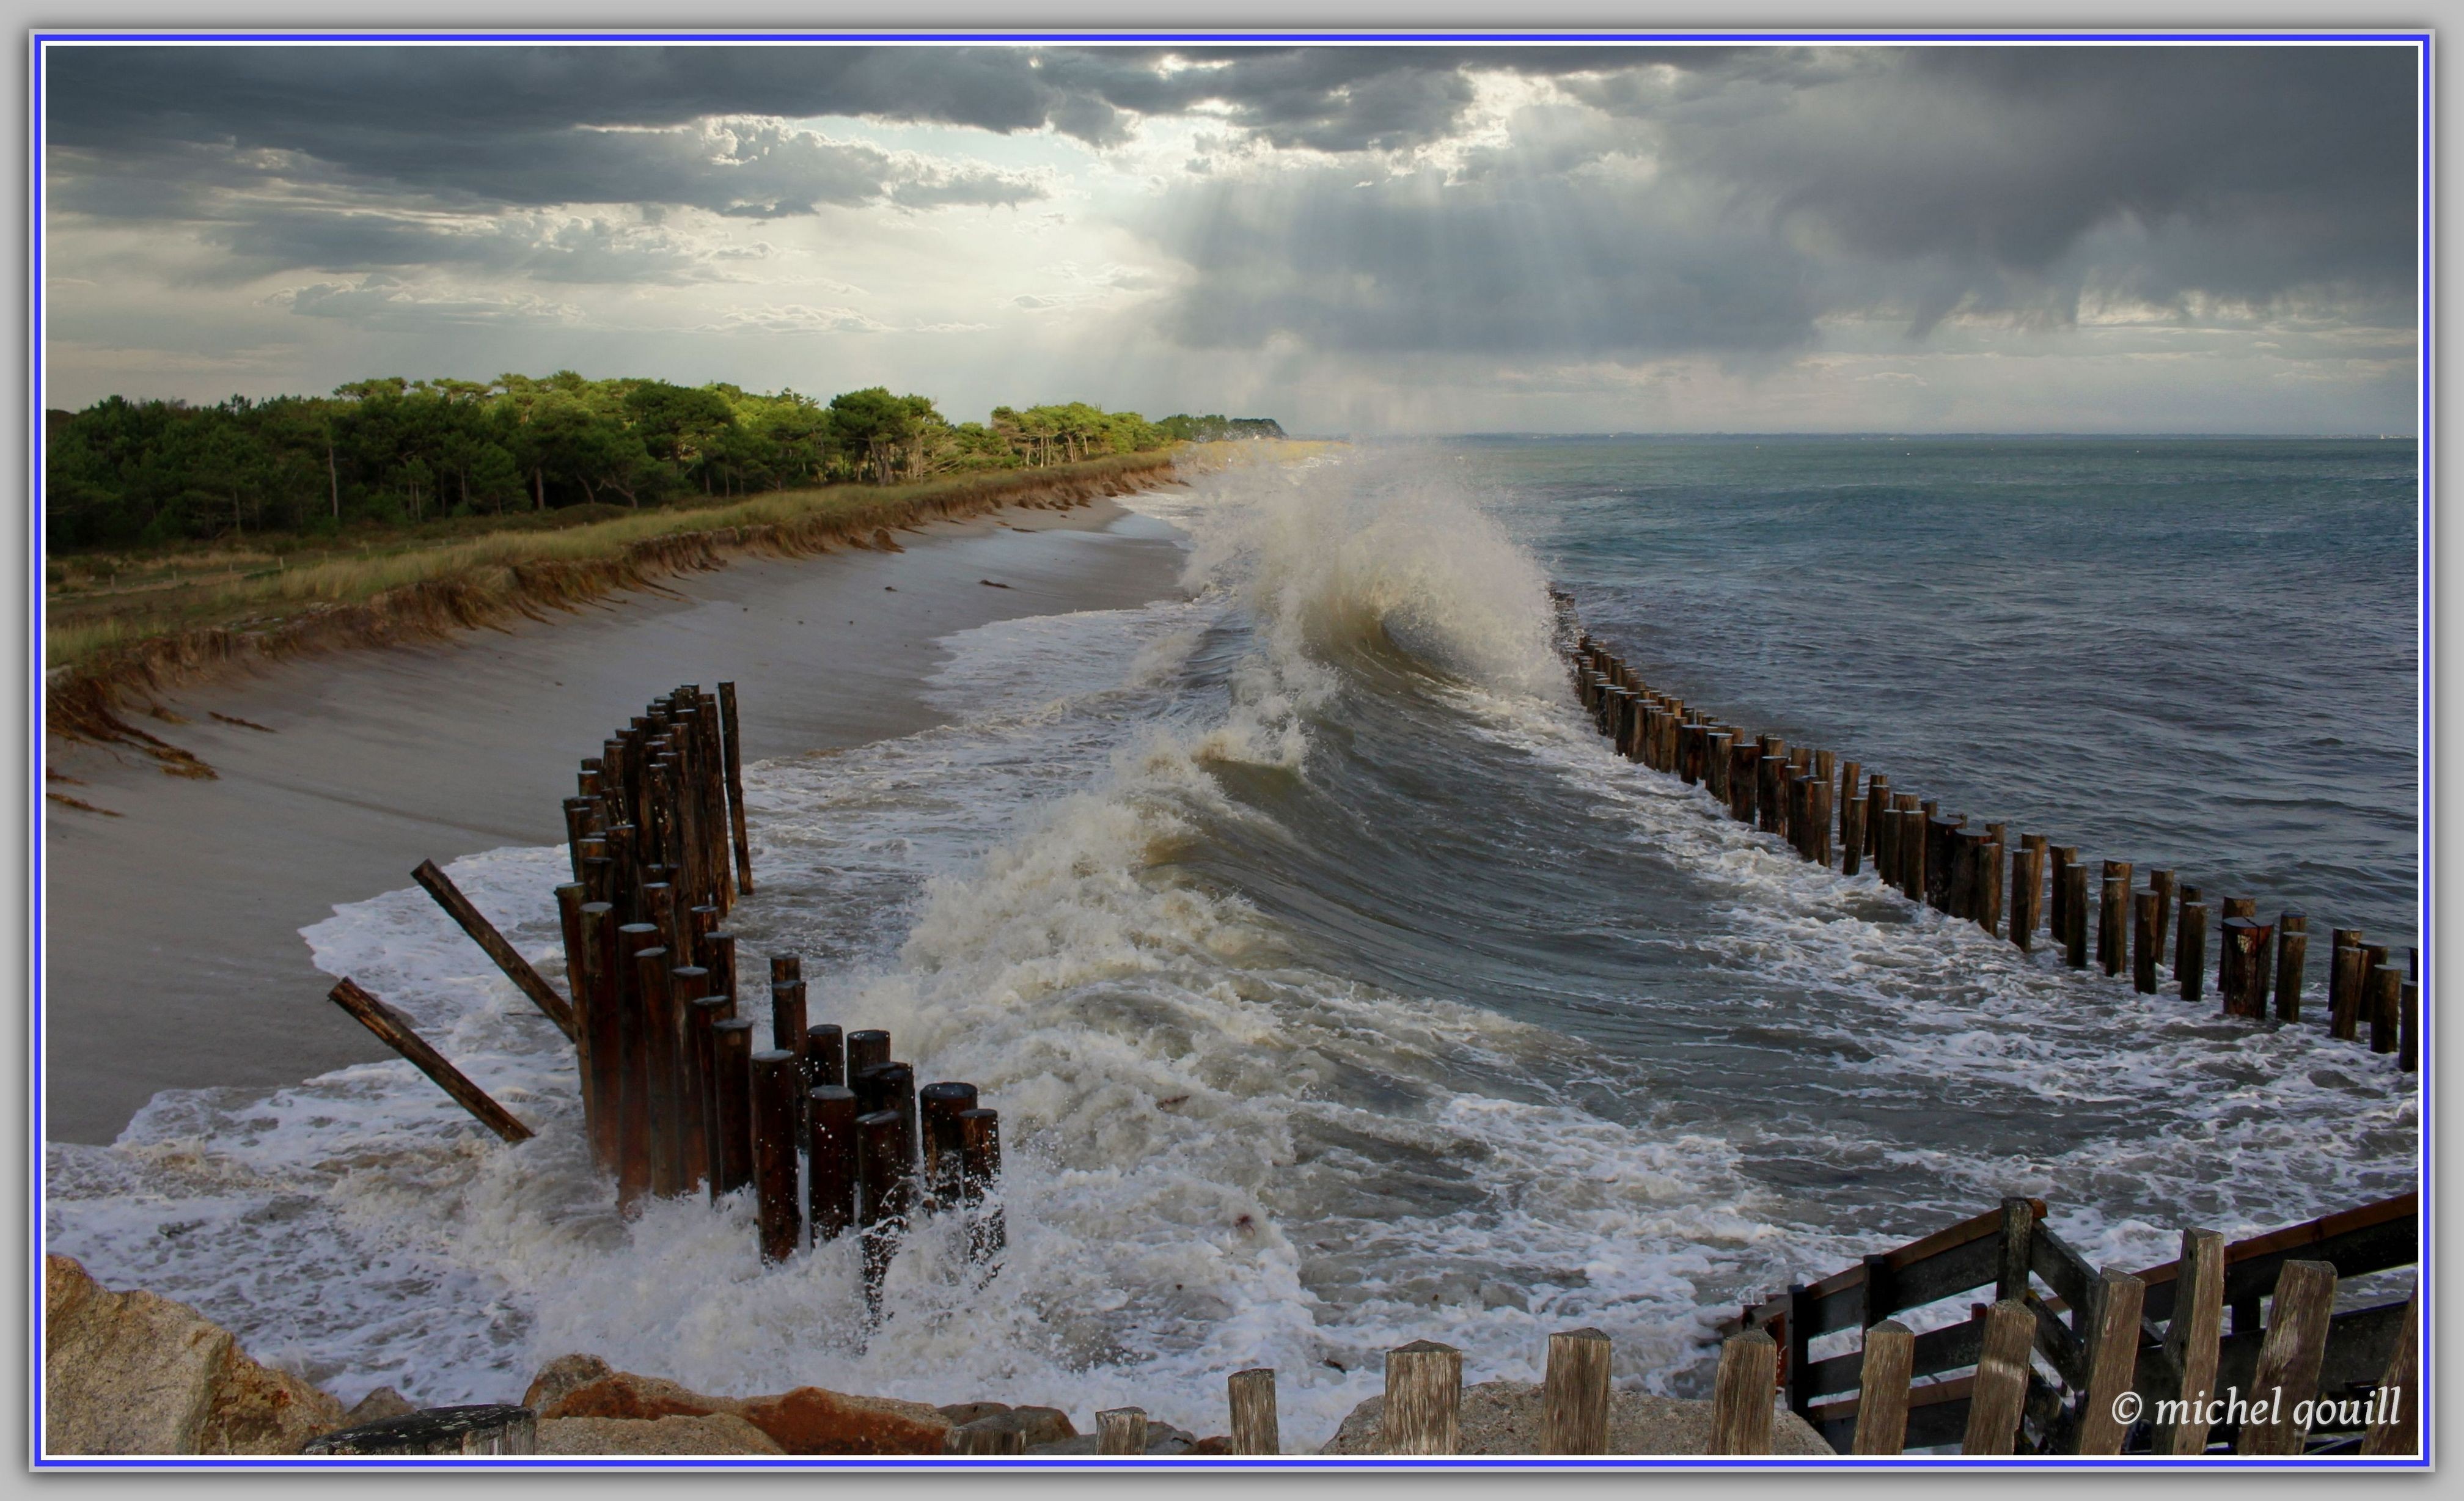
(388, 454)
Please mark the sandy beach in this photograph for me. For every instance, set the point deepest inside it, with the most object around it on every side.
(171, 949)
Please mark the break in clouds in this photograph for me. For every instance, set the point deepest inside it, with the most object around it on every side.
(1770, 223)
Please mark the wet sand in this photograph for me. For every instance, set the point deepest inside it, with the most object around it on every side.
(172, 934)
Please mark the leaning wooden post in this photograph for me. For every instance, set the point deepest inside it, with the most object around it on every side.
(2112, 1356)
(396, 1033)
(1998, 1394)
(1740, 1395)
(1882, 1389)
(1574, 1394)
(1121, 1430)
(2190, 961)
(2397, 1429)
(1255, 1430)
(2292, 958)
(483, 933)
(1423, 1409)
(2192, 1337)
(2287, 1377)
(735, 788)
(778, 1084)
(2143, 940)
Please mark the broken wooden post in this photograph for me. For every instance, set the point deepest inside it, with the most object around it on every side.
(1121, 1430)
(1255, 1430)
(2287, 1377)
(1424, 1408)
(1574, 1394)
(2397, 1429)
(483, 933)
(1998, 1393)
(2191, 1339)
(396, 1033)
(1740, 1395)
(2112, 1330)
(1882, 1388)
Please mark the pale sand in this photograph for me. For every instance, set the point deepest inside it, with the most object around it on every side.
(172, 934)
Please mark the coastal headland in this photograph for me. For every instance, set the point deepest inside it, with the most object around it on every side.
(172, 903)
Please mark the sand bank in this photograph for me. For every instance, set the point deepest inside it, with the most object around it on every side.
(172, 948)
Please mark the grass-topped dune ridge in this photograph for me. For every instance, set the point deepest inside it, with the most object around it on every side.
(196, 612)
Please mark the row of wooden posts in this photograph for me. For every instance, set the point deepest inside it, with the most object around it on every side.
(1834, 815)
(831, 1132)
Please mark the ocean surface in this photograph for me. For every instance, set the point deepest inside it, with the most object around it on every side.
(1339, 988)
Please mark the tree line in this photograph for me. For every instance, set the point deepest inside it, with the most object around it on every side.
(391, 451)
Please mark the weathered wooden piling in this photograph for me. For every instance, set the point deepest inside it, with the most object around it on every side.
(825, 1056)
(2385, 998)
(1942, 838)
(507, 959)
(661, 1031)
(788, 1018)
(1744, 769)
(2074, 900)
(1424, 1408)
(2144, 941)
(2112, 1328)
(888, 1194)
(731, 1101)
(1718, 746)
(1740, 1395)
(865, 1050)
(1913, 819)
(718, 956)
(1772, 793)
(778, 1084)
(1255, 1425)
(2027, 890)
(2193, 1337)
(1574, 1394)
(397, 1034)
(636, 1137)
(2163, 884)
(980, 1165)
(702, 1124)
(2344, 1004)
(605, 1059)
(1960, 892)
(939, 1105)
(2408, 1046)
(1878, 801)
(2113, 917)
(2190, 961)
(2286, 1380)
(1882, 1389)
(2245, 992)
(831, 1156)
(1989, 879)
(1998, 1393)
(1852, 822)
(1121, 1430)
(736, 789)
(2292, 959)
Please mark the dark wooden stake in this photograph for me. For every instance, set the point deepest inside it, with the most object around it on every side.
(732, 1094)
(979, 1158)
(2074, 904)
(831, 1159)
(736, 789)
(397, 1035)
(2190, 968)
(483, 933)
(2144, 941)
(2292, 958)
(825, 1056)
(2385, 1004)
(944, 1146)
(778, 1084)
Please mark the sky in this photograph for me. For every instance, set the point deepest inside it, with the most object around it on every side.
(1367, 241)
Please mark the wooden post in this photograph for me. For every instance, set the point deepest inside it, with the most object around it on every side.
(939, 1107)
(2241, 940)
(2162, 883)
(651, 980)
(887, 1198)
(2064, 856)
(397, 1035)
(719, 955)
(472, 1428)
(1574, 1394)
(2407, 1045)
(1422, 1413)
(830, 1157)
(2016, 1249)
(1966, 850)
(1998, 1394)
(825, 1056)
(778, 1084)
(1820, 819)
(2385, 996)
(2230, 978)
(731, 1093)
(1878, 801)
(2190, 961)
(865, 1050)
(569, 898)
(1852, 825)
(2027, 888)
(979, 1160)
(1989, 879)
(2292, 958)
(2193, 1336)
(2074, 903)
(1744, 766)
(637, 1149)
(2241, 907)
(2112, 1339)
(1717, 748)
(2113, 917)
(1255, 1430)
(1740, 1395)
(2343, 982)
(1771, 789)
(2144, 939)
(1885, 838)
(601, 1021)
(1121, 1430)
(483, 933)
(2287, 1378)
(1882, 1389)
(787, 1017)
(1942, 838)
(701, 1080)
(735, 788)
(2398, 1427)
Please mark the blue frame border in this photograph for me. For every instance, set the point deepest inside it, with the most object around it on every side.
(38, 855)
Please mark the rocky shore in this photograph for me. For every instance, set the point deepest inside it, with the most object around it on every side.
(131, 1373)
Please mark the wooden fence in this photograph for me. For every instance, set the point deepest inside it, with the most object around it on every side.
(1834, 815)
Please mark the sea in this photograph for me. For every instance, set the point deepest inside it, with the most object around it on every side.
(1338, 986)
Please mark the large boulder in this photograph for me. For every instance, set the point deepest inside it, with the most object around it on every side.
(562, 1376)
(131, 1373)
(808, 1420)
(1504, 1418)
(714, 1433)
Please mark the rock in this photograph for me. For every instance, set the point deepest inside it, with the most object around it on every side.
(379, 1405)
(1035, 1426)
(806, 1420)
(717, 1433)
(564, 1373)
(130, 1373)
(1221, 1444)
(962, 1413)
(1504, 1418)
